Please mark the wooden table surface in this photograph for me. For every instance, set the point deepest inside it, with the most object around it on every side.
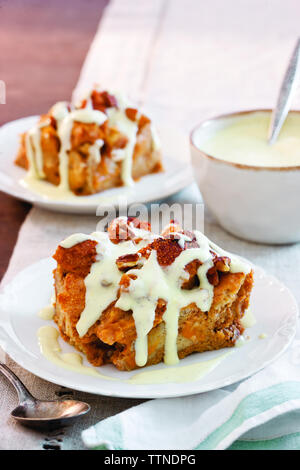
(43, 45)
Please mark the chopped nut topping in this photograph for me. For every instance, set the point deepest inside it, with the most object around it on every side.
(131, 113)
(128, 261)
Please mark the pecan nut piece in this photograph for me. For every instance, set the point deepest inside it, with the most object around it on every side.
(129, 261)
(222, 263)
(131, 113)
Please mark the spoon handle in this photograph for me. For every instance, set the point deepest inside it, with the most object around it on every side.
(23, 393)
(285, 95)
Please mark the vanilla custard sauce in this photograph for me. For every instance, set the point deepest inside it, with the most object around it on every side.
(48, 337)
(242, 139)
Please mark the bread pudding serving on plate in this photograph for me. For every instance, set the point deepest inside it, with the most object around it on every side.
(133, 298)
(101, 143)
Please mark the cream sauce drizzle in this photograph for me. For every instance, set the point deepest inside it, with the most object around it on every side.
(64, 131)
(49, 191)
(102, 283)
(47, 313)
(240, 342)
(48, 341)
(154, 282)
(34, 150)
(94, 150)
(142, 297)
(50, 348)
(182, 374)
(74, 239)
(248, 319)
(156, 144)
(263, 336)
(59, 111)
(118, 118)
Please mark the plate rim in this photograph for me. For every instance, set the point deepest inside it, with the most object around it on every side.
(14, 351)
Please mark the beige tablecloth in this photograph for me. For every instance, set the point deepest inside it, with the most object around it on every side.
(184, 61)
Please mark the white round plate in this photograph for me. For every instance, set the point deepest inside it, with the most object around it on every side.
(177, 174)
(272, 304)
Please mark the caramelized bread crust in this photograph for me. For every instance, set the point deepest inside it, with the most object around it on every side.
(111, 339)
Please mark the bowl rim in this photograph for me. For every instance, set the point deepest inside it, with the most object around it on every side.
(232, 164)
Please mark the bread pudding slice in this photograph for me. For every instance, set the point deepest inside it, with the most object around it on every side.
(103, 142)
(131, 298)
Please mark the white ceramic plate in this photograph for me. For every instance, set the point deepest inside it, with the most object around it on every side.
(176, 176)
(272, 304)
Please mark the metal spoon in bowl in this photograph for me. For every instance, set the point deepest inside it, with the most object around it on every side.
(43, 414)
(287, 88)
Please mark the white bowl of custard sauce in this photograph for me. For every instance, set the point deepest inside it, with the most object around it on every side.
(252, 188)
